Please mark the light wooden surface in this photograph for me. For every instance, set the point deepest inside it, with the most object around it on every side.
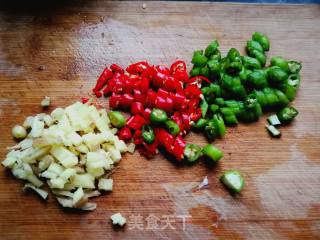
(75, 40)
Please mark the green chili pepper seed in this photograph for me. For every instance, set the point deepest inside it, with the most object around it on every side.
(158, 116)
(294, 67)
(233, 180)
(172, 127)
(117, 119)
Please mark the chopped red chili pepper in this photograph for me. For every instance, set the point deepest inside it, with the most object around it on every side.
(192, 91)
(116, 68)
(178, 65)
(186, 121)
(165, 139)
(151, 98)
(178, 148)
(137, 137)
(146, 114)
(198, 79)
(126, 100)
(137, 68)
(102, 80)
(180, 101)
(181, 76)
(178, 119)
(114, 100)
(84, 100)
(137, 108)
(196, 115)
(144, 84)
(136, 122)
(163, 69)
(125, 134)
(162, 93)
(159, 79)
(139, 96)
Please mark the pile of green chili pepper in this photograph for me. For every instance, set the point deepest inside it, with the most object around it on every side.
(241, 88)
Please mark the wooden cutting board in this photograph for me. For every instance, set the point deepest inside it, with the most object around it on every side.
(58, 50)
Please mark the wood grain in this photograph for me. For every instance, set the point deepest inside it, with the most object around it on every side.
(74, 40)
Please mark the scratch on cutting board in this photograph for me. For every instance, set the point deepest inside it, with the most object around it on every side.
(288, 190)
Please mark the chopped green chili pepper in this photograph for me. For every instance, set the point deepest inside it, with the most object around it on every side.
(172, 127)
(234, 68)
(211, 48)
(274, 132)
(195, 71)
(158, 116)
(148, 134)
(198, 59)
(287, 114)
(250, 63)
(204, 71)
(257, 79)
(214, 108)
(282, 98)
(274, 120)
(233, 55)
(117, 119)
(229, 116)
(219, 101)
(216, 55)
(212, 153)
(294, 67)
(233, 180)
(243, 75)
(211, 92)
(253, 45)
(221, 128)
(210, 130)
(192, 152)
(204, 107)
(277, 76)
(200, 124)
(214, 67)
(271, 97)
(260, 56)
(280, 62)
(262, 39)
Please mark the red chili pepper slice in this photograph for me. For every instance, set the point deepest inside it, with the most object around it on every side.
(116, 68)
(136, 122)
(150, 150)
(97, 93)
(146, 114)
(165, 139)
(137, 108)
(144, 84)
(198, 79)
(114, 101)
(178, 119)
(163, 69)
(196, 115)
(159, 79)
(151, 98)
(178, 65)
(137, 137)
(170, 84)
(192, 91)
(181, 76)
(162, 93)
(126, 100)
(178, 148)
(165, 104)
(186, 121)
(84, 100)
(102, 80)
(137, 68)
(139, 96)
(180, 101)
(125, 134)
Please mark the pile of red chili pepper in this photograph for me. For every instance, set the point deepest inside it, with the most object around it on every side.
(163, 103)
